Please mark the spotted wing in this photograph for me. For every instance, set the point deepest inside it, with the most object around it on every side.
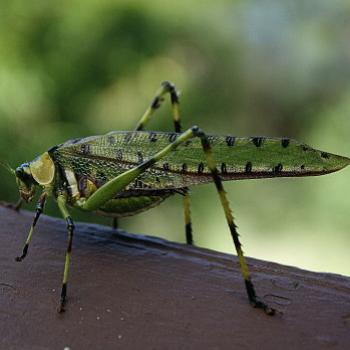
(101, 158)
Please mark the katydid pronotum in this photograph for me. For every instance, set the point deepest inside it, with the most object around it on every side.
(123, 173)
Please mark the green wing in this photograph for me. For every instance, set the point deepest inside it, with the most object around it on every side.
(101, 158)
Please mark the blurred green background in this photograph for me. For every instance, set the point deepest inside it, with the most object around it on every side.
(77, 68)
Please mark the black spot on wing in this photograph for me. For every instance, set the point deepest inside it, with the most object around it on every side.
(278, 168)
(184, 167)
(172, 137)
(285, 143)
(230, 140)
(258, 141)
(152, 137)
(248, 167)
(200, 168)
(324, 155)
(85, 149)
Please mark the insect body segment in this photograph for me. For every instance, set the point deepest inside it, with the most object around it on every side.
(124, 173)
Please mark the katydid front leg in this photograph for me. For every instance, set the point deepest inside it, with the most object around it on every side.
(39, 209)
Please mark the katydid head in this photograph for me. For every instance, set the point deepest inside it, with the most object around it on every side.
(39, 172)
(25, 182)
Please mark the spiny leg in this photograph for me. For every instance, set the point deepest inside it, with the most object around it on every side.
(254, 300)
(168, 87)
(61, 201)
(39, 210)
(108, 190)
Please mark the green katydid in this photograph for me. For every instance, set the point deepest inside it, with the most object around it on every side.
(124, 173)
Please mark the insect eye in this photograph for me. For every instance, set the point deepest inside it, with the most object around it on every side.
(22, 174)
(19, 172)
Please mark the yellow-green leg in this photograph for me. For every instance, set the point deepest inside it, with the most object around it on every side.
(253, 299)
(38, 211)
(61, 201)
(165, 88)
(169, 88)
(187, 216)
(108, 190)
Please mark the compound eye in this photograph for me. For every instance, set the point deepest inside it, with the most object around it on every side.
(21, 173)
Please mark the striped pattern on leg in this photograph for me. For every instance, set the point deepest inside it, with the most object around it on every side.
(61, 200)
(254, 300)
(168, 87)
(39, 209)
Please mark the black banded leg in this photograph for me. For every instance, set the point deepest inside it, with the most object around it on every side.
(165, 88)
(168, 87)
(38, 211)
(254, 300)
(187, 215)
(61, 200)
(109, 189)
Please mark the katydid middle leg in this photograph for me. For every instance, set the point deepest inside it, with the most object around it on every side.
(108, 190)
(169, 88)
(61, 201)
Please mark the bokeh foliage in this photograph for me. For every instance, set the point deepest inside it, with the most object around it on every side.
(76, 68)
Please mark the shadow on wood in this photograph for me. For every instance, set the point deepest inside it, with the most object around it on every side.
(137, 292)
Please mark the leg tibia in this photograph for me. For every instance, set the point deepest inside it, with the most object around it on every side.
(39, 209)
(61, 201)
(165, 88)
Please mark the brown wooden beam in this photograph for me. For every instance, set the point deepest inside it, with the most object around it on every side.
(136, 292)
